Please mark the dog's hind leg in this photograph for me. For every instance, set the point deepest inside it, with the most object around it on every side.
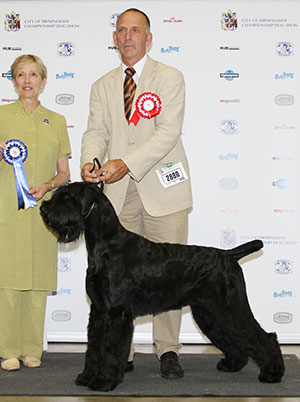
(232, 327)
(234, 359)
(109, 340)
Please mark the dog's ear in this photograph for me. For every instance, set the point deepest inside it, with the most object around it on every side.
(89, 200)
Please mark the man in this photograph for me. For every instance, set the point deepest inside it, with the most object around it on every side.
(146, 174)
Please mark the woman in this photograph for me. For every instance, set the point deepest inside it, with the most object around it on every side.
(28, 250)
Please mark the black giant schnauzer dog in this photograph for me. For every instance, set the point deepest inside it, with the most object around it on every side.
(129, 276)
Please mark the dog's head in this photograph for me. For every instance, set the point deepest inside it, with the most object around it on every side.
(69, 207)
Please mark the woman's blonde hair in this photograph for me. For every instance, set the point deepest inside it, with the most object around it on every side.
(29, 58)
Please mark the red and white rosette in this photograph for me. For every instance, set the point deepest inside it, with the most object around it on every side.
(147, 105)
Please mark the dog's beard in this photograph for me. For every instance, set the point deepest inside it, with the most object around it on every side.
(68, 234)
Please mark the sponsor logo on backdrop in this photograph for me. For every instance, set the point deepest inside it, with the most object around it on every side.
(64, 99)
(281, 183)
(229, 100)
(64, 264)
(170, 49)
(62, 292)
(284, 49)
(229, 21)
(267, 23)
(283, 267)
(12, 48)
(12, 22)
(229, 75)
(7, 75)
(228, 238)
(172, 20)
(284, 126)
(275, 240)
(284, 100)
(50, 23)
(64, 76)
(283, 211)
(284, 76)
(5, 100)
(113, 20)
(283, 293)
(228, 48)
(228, 210)
(66, 49)
(229, 156)
(112, 47)
(229, 127)
(228, 183)
(61, 315)
(70, 126)
(283, 318)
(282, 158)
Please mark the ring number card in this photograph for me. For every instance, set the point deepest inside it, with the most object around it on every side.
(171, 175)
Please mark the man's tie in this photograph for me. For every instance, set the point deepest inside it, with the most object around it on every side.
(129, 91)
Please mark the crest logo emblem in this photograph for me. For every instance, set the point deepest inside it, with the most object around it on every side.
(283, 266)
(65, 49)
(12, 22)
(229, 21)
(113, 20)
(229, 127)
(284, 49)
(64, 264)
(228, 238)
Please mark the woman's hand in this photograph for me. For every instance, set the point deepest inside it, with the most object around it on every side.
(2, 148)
(38, 192)
(63, 175)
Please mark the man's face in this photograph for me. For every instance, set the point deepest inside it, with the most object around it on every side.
(131, 37)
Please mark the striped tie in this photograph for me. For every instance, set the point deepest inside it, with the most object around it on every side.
(129, 91)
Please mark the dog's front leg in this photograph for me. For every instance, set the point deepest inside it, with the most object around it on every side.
(109, 339)
(114, 351)
(93, 353)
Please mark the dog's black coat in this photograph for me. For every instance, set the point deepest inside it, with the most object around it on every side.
(129, 276)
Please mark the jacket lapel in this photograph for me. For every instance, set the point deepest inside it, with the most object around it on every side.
(147, 77)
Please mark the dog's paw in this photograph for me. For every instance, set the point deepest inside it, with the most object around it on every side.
(83, 379)
(270, 377)
(100, 384)
(230, 365)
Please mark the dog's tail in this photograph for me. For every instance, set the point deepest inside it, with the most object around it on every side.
(244, 249)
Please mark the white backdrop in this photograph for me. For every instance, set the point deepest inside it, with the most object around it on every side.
(241, 132)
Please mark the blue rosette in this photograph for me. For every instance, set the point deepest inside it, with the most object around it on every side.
(15, 154)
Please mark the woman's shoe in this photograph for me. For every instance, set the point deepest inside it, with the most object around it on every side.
(31, 361)
(10, 364)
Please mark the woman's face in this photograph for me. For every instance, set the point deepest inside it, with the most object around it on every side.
(28, 81)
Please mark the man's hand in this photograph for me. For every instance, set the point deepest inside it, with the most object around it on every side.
(87, 175)
(112, 171)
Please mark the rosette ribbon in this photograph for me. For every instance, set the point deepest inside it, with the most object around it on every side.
(147, 105)
(15, 154)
